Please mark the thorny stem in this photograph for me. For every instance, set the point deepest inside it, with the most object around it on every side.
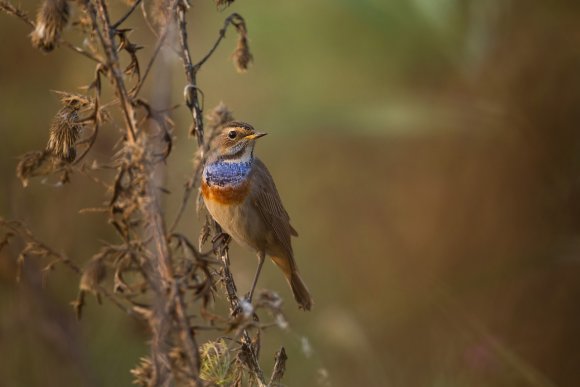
(108, 42)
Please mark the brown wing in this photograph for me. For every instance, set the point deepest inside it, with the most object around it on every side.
(269, 204)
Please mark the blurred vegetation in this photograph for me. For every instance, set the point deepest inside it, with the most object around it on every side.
(428, 153)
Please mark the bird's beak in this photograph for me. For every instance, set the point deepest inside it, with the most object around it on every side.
(255, 136)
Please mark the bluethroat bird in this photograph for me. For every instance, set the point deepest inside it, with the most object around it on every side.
(242, 198)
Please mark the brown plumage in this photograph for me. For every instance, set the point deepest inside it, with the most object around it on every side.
(253, 217)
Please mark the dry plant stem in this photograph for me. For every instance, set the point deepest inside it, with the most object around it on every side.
(161, 266)
(12, 10)
(233, 300)
(108, 41)
(221, 36)
(191, 90)
(129, 12)
(165, 298)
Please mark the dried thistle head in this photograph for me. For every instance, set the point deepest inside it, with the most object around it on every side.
(216, 363)
(64, 133)
(51, 19)
(242, 56)
(66, 128)
(36, 163)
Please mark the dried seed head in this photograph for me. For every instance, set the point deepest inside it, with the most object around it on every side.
(51, 19)
(242, 56)
(65, 130)
(216, 363)
(36, 163)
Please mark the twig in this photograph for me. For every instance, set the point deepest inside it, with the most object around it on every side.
(233, 18)
(129, 12)
(158, 46)
(10, 9)
(79, 50)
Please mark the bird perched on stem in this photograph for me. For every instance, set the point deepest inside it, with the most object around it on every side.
(242, 198)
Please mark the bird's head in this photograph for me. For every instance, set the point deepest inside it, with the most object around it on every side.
(235, 143)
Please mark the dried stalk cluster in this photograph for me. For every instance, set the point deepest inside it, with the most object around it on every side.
(151, 272)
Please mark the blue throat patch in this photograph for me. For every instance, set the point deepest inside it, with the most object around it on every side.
(226, 174)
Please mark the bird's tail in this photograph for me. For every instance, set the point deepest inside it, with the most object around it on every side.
(299, 289)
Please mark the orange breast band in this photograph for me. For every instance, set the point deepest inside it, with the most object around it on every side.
(225, 195)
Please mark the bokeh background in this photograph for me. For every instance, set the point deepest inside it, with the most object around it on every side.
(427, 151)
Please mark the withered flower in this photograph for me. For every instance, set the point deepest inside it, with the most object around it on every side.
(242, 56)
(51, 19)
(64, 133)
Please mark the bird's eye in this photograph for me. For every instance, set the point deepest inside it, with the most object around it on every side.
(232, 134)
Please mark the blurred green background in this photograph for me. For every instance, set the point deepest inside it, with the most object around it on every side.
(427, 151)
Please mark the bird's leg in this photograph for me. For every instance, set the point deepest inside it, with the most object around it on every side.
(261, 258)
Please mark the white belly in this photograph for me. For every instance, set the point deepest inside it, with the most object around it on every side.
(241, 221)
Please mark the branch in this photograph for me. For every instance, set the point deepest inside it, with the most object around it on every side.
(129, 12)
